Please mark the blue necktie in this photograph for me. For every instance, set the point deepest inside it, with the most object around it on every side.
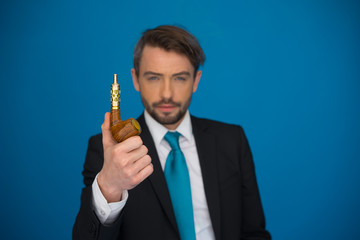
(178, 181)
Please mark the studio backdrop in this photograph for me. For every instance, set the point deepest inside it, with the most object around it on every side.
(288, 72)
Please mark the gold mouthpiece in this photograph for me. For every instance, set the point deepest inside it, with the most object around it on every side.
(121, 130)
(115, 78)
(115, 94)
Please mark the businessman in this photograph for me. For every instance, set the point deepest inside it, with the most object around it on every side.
(183, 177)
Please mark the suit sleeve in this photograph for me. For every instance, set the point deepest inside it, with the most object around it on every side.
(253, 220)
(87, 225)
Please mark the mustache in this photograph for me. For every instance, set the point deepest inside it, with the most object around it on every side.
(166, 101)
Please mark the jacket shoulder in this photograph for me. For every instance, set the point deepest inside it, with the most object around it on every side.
(96, 138)
(214, 126)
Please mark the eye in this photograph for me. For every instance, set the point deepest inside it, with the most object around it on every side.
(180, 78)
(152, 78)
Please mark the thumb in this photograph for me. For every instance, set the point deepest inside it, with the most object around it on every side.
(107, 137)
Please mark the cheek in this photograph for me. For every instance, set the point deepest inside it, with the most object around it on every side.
(149, 87)
(183, 94)
(150, 94)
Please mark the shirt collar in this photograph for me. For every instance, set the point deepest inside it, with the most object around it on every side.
(158, 131)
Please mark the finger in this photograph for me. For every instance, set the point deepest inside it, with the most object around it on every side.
(131, 144)
(141, 163)
(138, 153)
(107, 137)
(144, 173)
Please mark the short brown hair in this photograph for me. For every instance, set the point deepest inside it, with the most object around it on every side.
(170, 38)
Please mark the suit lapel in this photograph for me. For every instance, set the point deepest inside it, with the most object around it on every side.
(157, 178)
(206, 148)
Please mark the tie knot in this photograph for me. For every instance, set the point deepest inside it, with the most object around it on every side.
(173, 139)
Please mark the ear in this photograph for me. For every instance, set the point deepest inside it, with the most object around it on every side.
(197, 80)
(135, 80)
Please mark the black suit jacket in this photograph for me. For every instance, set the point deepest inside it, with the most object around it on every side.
(229, 181)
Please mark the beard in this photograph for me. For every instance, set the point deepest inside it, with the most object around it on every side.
(167, 117)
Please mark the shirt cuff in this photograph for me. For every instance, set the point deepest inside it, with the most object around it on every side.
(106, 212)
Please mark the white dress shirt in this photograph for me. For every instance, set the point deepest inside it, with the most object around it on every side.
(107, 213)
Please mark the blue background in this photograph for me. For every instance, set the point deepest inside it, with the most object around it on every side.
(287, 71)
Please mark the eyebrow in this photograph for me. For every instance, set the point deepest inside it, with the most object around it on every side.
(159, 74)
(152, 73)
(182, 73)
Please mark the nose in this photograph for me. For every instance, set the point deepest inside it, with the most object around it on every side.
(166, 91)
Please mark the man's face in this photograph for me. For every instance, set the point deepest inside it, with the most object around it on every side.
(166, 82)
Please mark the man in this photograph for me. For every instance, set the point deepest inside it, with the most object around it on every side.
(184, 177)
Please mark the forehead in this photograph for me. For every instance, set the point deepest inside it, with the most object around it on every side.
(159, 60)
